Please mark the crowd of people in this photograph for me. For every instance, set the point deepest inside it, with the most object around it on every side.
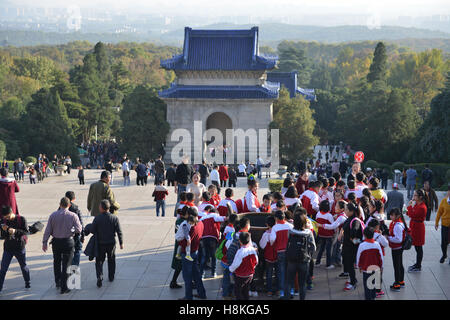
(345, 220)
(313, 216)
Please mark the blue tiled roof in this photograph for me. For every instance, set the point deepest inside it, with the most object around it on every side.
(269, 91)
(289, 80)
(220, 50)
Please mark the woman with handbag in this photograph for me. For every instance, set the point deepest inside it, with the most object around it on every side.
(417, 211)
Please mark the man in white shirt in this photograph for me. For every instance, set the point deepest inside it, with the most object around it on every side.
(126, 172)
(215, 178)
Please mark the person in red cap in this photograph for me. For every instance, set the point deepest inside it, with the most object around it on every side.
(8, 188)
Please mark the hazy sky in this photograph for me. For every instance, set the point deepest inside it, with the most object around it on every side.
(385, 8)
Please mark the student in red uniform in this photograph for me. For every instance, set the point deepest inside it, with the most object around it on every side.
(278, 239)
(325, 237)
(341, 187)
(397, 233)
(251, 203)
(267, 201)
(215, 197)
(222, 208)
(270, 256)
(190, 199)
(291, 197)
(228, 234)
(206, 201)
(190, 269)
(211, 233)
(369, 254)
(417, 211)
(243, 266)
(310, 198)
(351, 189)
(384, 243)
(276, 196)
(338, 196)
(339, 219)
(160, 194)
(375, 191)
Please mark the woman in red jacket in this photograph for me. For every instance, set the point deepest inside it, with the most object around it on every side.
(223, 174)
(417, 212)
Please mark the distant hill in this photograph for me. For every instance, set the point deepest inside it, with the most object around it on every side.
(278, 31)
(270, 34)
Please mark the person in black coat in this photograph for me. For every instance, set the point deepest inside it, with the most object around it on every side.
(352, 234)
(204, 172)
(171, 175)
(105, 227)
(14, 230)
(232, 177)
(78, 237)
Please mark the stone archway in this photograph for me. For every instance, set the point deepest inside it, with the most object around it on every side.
(220, 121)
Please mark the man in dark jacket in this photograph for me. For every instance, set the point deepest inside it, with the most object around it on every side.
(13, 230)
(171, 175)
(182, 179)
(395, 199)
(427, 174)
(141, 171)
(159, 170)
(105, 226)
(204, 172)
(78, 238)
(232, 177)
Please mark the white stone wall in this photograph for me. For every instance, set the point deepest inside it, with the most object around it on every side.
(244, 114)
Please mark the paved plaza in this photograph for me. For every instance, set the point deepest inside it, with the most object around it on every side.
(143, 266)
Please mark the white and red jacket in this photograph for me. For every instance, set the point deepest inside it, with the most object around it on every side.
(310, 201)
(325, 218)
(378, 237)
(325, 194)
(397, 234)
(251, 203)
(279, 235)
(291, 201)
(245, 261)
(211, 223)
(369, 254)
(270, 254)
(223, 209)
(350, 191)
(340, 219)
(203, 205)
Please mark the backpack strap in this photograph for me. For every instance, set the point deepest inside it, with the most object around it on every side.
(363, 226)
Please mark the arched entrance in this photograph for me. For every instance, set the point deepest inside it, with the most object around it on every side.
(222, 122)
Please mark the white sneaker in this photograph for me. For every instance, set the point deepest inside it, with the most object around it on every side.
(331, 266)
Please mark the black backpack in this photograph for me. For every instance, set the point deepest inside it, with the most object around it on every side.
(297, 249)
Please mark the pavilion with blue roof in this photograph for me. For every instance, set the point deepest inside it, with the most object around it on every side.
(221, 81)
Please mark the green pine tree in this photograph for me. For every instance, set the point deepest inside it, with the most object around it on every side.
(378, 68)
(294, 119)
(144, 123)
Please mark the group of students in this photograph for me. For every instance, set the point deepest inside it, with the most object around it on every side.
(345, 220)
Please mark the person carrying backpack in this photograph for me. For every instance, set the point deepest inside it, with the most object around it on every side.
(300, 248)
(353, 229)
(397, 236)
